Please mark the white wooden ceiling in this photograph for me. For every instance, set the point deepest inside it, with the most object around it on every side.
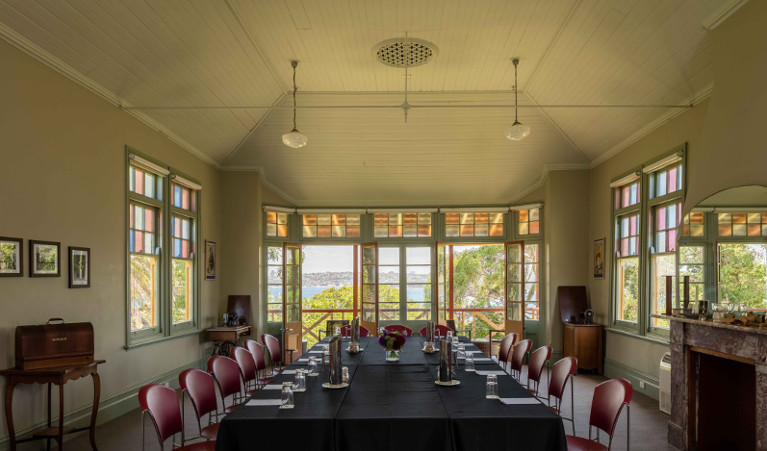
(216, 76)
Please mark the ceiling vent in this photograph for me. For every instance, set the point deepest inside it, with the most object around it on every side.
(404, 51)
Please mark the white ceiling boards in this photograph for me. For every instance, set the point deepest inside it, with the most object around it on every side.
(215, 75)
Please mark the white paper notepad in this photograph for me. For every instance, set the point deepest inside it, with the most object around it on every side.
(263, 402)
(482, 360)
(519, 401)
(288, 372)
(272, 387)
(496, 372)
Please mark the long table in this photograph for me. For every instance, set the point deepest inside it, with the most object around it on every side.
(395, 406)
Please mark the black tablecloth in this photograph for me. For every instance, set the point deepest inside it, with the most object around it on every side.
(395, 406)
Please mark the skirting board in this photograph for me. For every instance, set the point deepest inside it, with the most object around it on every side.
(109, 408)
(614, 369)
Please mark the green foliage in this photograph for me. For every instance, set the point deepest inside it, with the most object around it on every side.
(142, 286)
(478, 283)
(179, 283)
(8, 256)
(743, 274)
(629, 268)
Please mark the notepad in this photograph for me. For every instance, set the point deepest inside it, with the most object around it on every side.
(487, 372)
(473, 352)
(272, 387)
(316, 352)
(263, 402)
(516, 401)
(289, 372)
(482, 360)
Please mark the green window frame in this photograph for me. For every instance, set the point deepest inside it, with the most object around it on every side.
(162, 258)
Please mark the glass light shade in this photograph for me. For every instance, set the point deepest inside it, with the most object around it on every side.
(294, 139)
(517, 131)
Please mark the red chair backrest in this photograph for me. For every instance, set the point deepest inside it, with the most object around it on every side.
(201, 388)
(227, 373)
(518, 354)
(346, 331)
(439, 330)
(538, 358)
(273, 346)
(247, 363)
(609, 397)
(162, 404)
(505, 346)
(406, 331)
(559, 373)
(257, 351)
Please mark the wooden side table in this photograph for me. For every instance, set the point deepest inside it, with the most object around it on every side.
(584, 342)
(52, 376)
(226, 337)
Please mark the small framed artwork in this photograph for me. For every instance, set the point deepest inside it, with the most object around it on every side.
(79, 267)
(44, 259)
(210, 260)
(11, 257)
(599, 258)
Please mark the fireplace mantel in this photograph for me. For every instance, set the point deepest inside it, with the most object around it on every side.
(740, 343)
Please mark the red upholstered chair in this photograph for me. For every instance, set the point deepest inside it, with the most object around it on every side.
(161, 403)
(439, 330)
(257, 351)
(226, 372)
(201, 389)
(609, 399)
(561, 372)
(346, 331)
(247, 365)
(406, 331)
(518, 357)
(504, 349)
(538, 359)
(275, 355)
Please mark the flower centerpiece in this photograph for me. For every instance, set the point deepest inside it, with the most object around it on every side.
(392, 343)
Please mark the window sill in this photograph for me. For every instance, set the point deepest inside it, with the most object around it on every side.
(652, 338)
(153, 340)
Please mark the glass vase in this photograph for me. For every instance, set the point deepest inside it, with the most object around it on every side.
(392, 355)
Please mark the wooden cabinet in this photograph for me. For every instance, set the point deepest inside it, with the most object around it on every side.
(584, 342)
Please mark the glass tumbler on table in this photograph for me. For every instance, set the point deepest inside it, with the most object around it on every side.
(469, 362)
(300, 382)
(313, 364)
(492, 387)
(287, 401)
(345, 375)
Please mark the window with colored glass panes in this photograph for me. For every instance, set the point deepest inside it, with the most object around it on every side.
(144, 222)
(331, 225)
(184, 198)
(667, 181)
(663, 260)
(144, 183)
(473, 224)
(742, 224)
(694, 224)
(627, 195)
(277, 224)
(399, 225)
(182, 268)
(529, 221)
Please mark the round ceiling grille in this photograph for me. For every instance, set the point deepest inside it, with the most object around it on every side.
(401, 52)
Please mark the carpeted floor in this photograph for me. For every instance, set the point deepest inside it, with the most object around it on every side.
(648, 425)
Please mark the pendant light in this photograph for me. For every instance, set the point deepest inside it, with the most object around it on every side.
(294, 139)
(517, 131)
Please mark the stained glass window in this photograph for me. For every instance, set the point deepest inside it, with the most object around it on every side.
(693, 224)
(627, 195)
(742, 224)
(327, 225)
(398, 225)
(276, 224)
(468, 224)
(529, 221)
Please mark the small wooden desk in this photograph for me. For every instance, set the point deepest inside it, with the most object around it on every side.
(52, 376)
(226, 337)
(584, 342)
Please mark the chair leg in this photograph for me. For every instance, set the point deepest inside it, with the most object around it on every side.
(572, 403)
(628, 425)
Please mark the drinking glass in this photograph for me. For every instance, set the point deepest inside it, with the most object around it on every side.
(469, 362)
(345, 374)
(300, 382)
(287, 401)
(492, 387)
(449, 335)
(338, 330)
(455, 340)
(313, 364)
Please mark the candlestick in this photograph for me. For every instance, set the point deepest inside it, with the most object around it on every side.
(686, 292)
(669, 290)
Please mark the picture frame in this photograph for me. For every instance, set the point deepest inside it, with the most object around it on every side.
(11, 257)
(44, 258)
(79, 267)
(599, 258)
(210, 260)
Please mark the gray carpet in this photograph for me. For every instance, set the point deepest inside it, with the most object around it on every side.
(648, 425)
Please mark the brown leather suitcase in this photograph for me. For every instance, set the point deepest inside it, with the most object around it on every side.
(54, 344)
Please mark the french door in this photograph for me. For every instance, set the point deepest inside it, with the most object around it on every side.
(291, 300)
(514, 290)
(443, 281)
(369, 287)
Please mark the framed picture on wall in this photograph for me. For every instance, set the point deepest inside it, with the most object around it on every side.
(79, 267)
(599, 258)
(11, 257)
(44, 259)
(210, 260)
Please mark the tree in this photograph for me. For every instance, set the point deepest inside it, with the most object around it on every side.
(478, 282)
(743, 274)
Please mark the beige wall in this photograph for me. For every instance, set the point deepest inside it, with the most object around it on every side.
(63, 178)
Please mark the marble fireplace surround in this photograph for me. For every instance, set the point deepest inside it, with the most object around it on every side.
(741, 343)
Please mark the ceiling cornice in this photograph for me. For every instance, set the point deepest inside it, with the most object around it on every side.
(40, 54)
(545, 174)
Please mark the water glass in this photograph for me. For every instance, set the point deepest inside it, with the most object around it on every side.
(449, 336)
(492, 387)
(469, 362)
(313, 367)
(338, 330)
(287, 401)
(345, 374)
(300, 382)
(455, 340)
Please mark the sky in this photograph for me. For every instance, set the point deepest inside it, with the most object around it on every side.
(328, 259)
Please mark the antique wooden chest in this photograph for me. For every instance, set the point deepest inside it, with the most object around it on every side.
(54, 344)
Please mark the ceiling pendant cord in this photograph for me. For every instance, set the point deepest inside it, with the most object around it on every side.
(294, 138)
(295, 64)
(407, 55)
(517, 131)
(516, 86)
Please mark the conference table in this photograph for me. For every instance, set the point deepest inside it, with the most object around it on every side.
(394, 406)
